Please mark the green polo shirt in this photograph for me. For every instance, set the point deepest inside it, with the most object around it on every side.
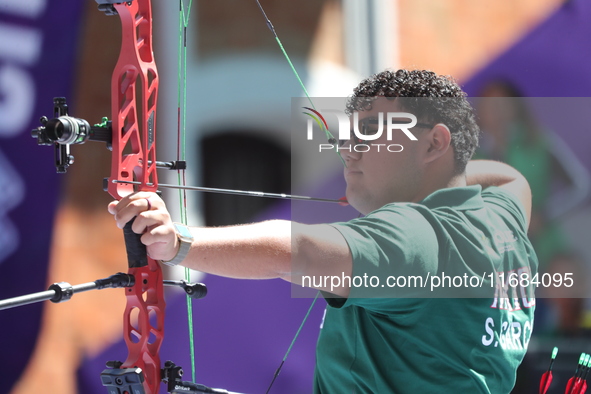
(395, 334)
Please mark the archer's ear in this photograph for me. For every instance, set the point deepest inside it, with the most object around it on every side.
(438, 142)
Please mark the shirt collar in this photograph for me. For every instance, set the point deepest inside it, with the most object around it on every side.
(461, 198)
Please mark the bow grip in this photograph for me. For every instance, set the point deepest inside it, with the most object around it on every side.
(137, 255)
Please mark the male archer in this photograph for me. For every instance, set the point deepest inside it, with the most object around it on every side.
(430, 213)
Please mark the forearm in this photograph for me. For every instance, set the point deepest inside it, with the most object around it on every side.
(253, 251)
(265, 250)
(490, 173)
(272, 249)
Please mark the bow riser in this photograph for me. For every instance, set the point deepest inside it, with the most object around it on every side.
(134, 118)
(134, 87)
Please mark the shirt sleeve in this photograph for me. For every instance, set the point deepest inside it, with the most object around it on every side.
(509, 203)
(394, 250)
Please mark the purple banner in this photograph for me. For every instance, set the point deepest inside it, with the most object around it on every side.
(37, 57)
(551, 61)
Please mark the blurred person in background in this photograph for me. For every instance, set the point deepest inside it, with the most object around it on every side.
(511, 134)
(559, 184)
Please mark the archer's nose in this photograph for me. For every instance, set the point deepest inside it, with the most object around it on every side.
(348, 152)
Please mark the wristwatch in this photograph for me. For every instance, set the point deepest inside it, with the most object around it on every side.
(185, 241)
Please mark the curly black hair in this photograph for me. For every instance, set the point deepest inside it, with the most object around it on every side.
(431, 98)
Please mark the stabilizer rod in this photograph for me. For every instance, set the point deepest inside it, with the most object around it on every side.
(63, 291)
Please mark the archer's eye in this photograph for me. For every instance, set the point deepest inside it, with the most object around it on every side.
(369, 126)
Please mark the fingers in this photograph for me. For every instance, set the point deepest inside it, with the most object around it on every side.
(161, 242)
(152, 220)
(148, 220)
(113, 207)
(147, 207)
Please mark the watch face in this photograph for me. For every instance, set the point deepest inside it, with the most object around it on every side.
(183, 231)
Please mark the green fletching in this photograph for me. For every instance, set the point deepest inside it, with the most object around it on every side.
(316, 120)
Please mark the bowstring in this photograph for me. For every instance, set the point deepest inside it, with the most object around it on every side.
(328, 134)
(292, 343)
(184, 14)
(330, 139)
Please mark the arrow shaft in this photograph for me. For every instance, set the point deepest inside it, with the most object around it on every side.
(238, 192)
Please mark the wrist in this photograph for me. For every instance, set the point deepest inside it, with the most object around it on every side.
(184, 242)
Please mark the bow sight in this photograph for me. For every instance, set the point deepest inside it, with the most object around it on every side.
(64, 130)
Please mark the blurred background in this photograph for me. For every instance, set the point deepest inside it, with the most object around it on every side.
(528, 58)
